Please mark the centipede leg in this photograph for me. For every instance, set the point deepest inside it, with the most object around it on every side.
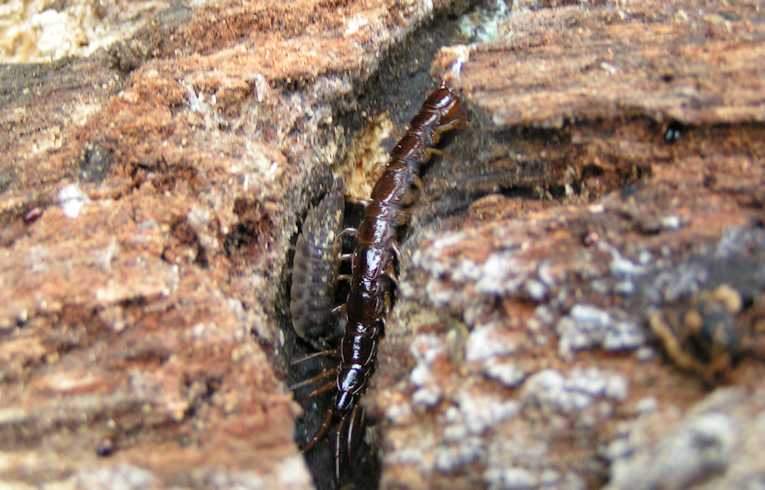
(445, 128)
(338, 436)
(327, 373)
(325, 425)
(321, 390)
(347, 425)
(433, 152)
(300, 360)
(356, 418)
(344, 277)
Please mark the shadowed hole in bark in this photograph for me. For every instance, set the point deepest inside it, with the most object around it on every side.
(185, 245)
(95, 162)
(245, 241)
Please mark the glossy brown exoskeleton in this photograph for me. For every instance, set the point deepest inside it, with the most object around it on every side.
(372, 263)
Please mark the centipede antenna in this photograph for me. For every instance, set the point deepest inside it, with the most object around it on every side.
(325, 425)
(299, 360)
(322, 375)
(321, 390)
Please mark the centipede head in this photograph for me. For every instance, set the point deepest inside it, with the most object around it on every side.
(453, 113)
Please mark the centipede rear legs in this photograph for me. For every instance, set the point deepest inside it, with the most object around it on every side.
(349, 427)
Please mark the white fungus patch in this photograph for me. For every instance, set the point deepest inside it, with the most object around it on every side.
(355, 23)
(512, 478)
(198, 103)
(587, 326)
(646, 405)
(450, 458)
(428, 396)
(536, 289)
(292, 472)
(486, 342)
(671, 285)
(501, 274)
(481, 411)
(506, 373)
(483, 24)
(72, 199)
(425, 349)
(671, 222)
(106, 256)
(550, 390)
(399, 413)
(43, 30)
(620, 265)
(120, 476)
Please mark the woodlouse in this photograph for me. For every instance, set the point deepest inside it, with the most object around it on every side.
(372, 267)
(315, 270)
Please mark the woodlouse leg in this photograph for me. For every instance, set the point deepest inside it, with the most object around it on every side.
(363, 202)
(402, 217)
(351, 232)
(412, 193)
(325, 425)
(396, 252)
(417, 182)
(341, 311)
(391, 276)
(328, 352)
(329, 372)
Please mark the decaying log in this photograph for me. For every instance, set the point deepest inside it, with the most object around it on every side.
(582, 290)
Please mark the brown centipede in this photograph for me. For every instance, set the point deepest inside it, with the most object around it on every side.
(372, 266)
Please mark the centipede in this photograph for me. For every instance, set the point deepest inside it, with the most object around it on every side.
(373, 268)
